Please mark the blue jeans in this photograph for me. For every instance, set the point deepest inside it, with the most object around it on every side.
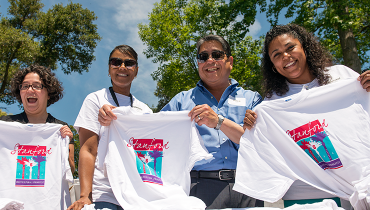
(111, 206)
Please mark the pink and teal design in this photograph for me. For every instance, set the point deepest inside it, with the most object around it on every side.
(149, 154)
(31, 163)
(313, 139)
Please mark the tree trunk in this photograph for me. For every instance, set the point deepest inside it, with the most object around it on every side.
(349, 49)
(347, 39)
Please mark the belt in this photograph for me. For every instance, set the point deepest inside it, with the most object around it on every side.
(224, 174)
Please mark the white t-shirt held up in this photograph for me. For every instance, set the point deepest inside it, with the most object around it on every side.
(318, 136)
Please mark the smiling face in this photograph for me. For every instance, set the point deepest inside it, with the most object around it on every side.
(34, 101)
(289, 59)
(214, 72)
(121, 76)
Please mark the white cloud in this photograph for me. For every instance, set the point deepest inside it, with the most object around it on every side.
(255, 29)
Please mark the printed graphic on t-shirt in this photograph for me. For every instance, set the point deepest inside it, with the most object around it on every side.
(313, 139)
(149, 154)
(31, 163)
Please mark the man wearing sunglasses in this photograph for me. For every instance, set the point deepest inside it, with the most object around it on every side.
(218, 107)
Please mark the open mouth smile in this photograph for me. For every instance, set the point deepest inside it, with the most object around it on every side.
(211, 69)
(31, 99)
(290, 64)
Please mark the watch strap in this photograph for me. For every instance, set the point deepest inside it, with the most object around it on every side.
(220, 121)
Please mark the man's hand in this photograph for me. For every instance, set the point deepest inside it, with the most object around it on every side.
(204, 115)
(106, 115)
(249, 119)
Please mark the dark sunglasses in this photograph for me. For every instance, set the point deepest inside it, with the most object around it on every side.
(117, 62)
(216, 55)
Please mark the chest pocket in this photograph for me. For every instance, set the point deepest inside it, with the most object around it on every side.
(235, 108)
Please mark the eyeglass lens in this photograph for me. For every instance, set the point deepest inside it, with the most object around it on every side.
(35, 86)
(217, 55)
(117, 62)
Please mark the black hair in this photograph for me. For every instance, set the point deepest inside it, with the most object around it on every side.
(221, 40)
(125, 49)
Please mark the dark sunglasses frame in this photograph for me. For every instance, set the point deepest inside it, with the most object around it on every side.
(216, 55)
(117, 62)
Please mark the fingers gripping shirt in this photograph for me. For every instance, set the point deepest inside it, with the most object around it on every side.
(318, 136)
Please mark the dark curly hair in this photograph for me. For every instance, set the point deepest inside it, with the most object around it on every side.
(317, 58)
(50, 82)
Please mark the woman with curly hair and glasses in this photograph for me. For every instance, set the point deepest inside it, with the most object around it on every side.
(36, 88)
(294, 61)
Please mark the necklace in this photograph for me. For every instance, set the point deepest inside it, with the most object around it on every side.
(115, 98)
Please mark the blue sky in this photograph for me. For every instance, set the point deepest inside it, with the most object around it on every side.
(117, 24)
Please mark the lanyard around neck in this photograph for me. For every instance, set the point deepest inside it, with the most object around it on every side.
(115, 98)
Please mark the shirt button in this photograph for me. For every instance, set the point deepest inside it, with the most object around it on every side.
(218, 109)
(225, 157)
(224, 139)
(211, 96)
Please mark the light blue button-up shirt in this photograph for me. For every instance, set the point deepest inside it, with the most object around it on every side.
(233, 104)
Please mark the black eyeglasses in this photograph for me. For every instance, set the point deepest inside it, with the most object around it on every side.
(117, 62)
(35, 86)
(216, 55)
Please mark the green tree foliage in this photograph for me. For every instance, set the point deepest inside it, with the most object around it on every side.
(246, 67)
(171, 35)
(64, 35)
(77, 150)
(343, 26)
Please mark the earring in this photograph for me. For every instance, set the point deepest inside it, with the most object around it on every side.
(273, 69)
(108, 75)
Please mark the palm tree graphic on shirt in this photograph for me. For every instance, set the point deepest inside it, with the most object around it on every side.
(320, 136)
(141, 157)
(305, 146)
(147, 159)
(22, 161)
(155, 154)
(39, 159)
(31, 163)
(315, 146)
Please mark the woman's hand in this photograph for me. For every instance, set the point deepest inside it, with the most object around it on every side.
(66, 131)
(249, 119)
(79, 204)
(364, 78)
(106, 115)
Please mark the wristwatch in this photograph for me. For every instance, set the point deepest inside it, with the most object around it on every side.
(220, 121)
